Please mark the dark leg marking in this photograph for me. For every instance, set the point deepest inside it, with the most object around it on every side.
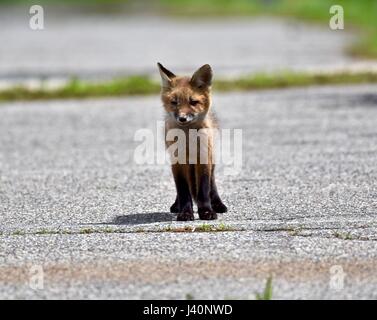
(175, 206)
(216, 202)
(204, 202)
(186, 212)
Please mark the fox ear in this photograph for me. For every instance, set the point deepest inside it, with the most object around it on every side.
(166, 75)
(202, 77)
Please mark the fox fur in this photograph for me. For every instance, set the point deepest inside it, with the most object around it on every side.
(187, 102)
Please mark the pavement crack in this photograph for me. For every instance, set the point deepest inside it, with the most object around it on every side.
(208, 228)
(345, 238)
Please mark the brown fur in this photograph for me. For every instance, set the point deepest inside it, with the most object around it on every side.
(189, 99)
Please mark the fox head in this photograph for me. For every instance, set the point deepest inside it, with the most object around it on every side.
(186, 99)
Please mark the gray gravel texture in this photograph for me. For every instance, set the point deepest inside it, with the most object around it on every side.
(74, 203)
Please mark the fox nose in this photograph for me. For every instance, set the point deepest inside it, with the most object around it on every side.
(182, 119)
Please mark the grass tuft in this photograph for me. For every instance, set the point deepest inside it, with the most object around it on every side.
(133, 85)
(144, 86)
(343, 235)
(189, 296)
(267, 292)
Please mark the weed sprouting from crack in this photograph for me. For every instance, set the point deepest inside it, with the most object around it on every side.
(294, 231)
(18, 233)
(189, 296)
(205, 227)
(343, 235)
(267, 292)
(108, 230)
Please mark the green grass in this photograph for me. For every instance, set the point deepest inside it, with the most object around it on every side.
(222, 227)
(18, 233)
(292, 79)
(138, 85)
(205, 227)
(343, 235)
(43, 231)
(267, 292)
(189, 296)
(109, 230)
(82, 89)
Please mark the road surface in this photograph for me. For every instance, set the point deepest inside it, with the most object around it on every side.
(77, 212)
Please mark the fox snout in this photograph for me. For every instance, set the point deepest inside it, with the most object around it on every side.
(184, 118)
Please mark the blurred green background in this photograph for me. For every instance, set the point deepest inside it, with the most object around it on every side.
(360, 18)
(359, 14)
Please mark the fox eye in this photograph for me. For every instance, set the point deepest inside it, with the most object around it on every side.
(194, 102)
(174, 102)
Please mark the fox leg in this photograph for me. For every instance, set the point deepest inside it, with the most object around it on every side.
(216, 202)
(185, 211)
(175, 206)
(203, 178)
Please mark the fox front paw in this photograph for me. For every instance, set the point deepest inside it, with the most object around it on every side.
(207, 214)
(185, 216)
(219, 207)
(174, 208)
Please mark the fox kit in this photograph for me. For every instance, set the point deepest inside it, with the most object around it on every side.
(187, 102)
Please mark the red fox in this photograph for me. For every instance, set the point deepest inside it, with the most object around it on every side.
(187, 102)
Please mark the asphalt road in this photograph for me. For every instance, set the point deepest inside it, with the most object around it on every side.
(74, 203)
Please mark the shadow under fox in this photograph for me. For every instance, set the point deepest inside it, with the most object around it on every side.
(187, 102)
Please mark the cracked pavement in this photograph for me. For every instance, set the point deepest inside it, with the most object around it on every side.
(73, 201)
